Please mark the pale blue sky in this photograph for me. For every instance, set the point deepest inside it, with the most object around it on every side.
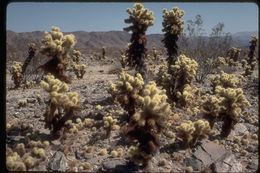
(26, 17)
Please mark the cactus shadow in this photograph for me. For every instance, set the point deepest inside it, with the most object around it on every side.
(174, 147)
(129, 167)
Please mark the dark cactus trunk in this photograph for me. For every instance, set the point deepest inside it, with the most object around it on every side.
(137, 52)
(170, 42)
(227, 126)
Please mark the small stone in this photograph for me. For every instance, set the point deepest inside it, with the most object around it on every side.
(188, 169)
(162, 162)
(58, 162)
(252, 165)
(194, 163)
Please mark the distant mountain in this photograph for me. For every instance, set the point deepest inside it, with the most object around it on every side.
(92, 42)
(241, 39)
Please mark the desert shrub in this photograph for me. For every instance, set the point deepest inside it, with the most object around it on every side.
(62, 104)
(148, 122)
(16, 72)
(172, 26)
(127, 91)
(140, 19)
(57, 46)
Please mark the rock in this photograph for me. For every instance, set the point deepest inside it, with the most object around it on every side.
(214, 150)
(118, 165)
(194, 163)
(240, 129)
(228, 164)
(57, 162)
(56, 142)
(209, 152)
(31, 100)
(251, 128)
(203, 156)
(252, 165)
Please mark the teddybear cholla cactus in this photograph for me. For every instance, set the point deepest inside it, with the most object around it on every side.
(79, 70)
(76, 56)
(250, 63)
(234, 102)
(146, 124)
(127, 91)
(31, 52)
(16, 72)
(232, 56)
(227, 105)
(190, 132)
(109, 124)
(172, 26)
(57, 46)
(182, 73)
(140, 18)
(62, 104)
(190, 99)
(226, 80)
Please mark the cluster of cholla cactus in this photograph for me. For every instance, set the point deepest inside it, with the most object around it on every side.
(57, 46)
(226, 80)
(26, 156)
(232, 56)
(250, 63)
(227, 102)
(62, 104)
(16, 72)
(182, 73)
(190, 132)
(127, 91)
(190, 98)
(140, 19)
(173, 25)
(148, 122)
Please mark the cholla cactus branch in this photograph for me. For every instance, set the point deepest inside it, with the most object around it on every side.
(140, 19)
(172, 26)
